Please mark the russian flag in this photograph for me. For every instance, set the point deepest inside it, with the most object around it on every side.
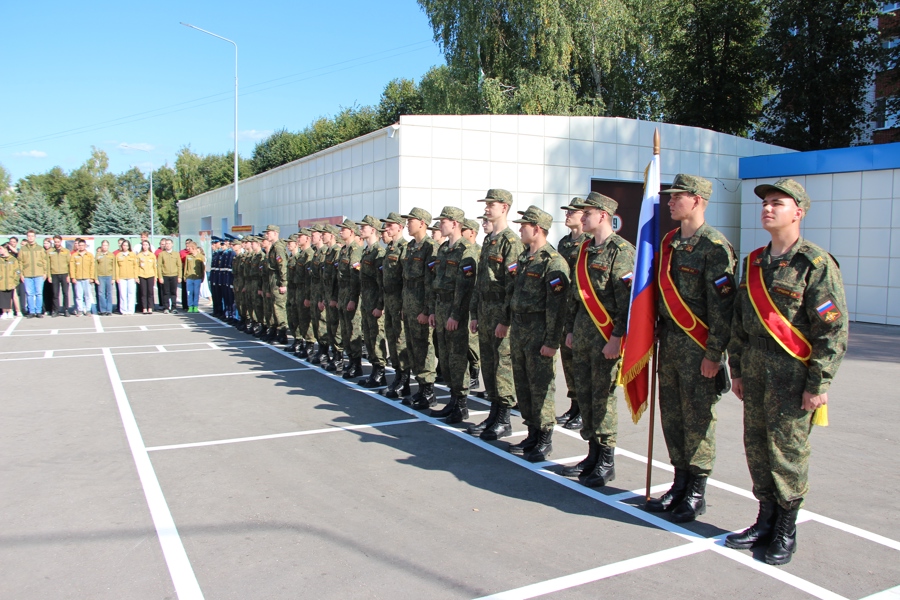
(634, 376)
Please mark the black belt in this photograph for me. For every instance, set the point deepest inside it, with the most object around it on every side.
(528, 317)
(444, 296)
(763, 343)
(493, 295)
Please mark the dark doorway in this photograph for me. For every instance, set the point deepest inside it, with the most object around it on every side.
(629, 195)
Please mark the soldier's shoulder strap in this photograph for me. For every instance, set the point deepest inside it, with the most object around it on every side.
(816, 255)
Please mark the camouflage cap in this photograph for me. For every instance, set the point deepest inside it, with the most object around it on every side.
(351, 225)
(274, 228)
(418, 213)
(371, 221)
(573, 205)
(433, 228)
(319, 227)
(453, 213)
(597, 200)
(396, 218)
(789, 187)
(497, 195)
(332, 229)
(535, 216)
(253, 238)
(236, 242)
(471, 224)
(305, 231)
(293, 237)
(692, 184)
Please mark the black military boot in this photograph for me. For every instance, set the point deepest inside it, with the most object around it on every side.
(293, 347)
(480, 427)
(526, 445)
(323, 356)
(448, 408)
(586, 466)
(473, 377)
(784, 541)
(332, 365)
(424, 398)
(570, 414)
(269, 336)
(543, 448)
(302, 350)
(283, 337)
(605, 469)
(673, 497)
(240, 326)
(500, 428)
(460, 411)
(694, 503)
(401, 381)
(354, 369)
(375, 380)
(759, 533)
(259, 330)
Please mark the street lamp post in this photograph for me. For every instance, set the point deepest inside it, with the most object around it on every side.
(152, 233)
(235, 218)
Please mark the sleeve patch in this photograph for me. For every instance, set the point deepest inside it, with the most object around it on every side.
(725, 286)
(828, 311)
(558, 285)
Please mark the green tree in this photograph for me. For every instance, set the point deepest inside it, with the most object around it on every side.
(132, 184)
(400, 97)
(164, 198)
(115, 216)
(33, 211)
(713, 70)
(54, 184)
(7, 193)
(821, 55)
(278, 149)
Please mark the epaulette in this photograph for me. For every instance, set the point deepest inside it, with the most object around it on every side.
(816, 256)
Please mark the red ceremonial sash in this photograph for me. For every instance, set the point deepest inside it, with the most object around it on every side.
(592, 304)
(781, 330)
(696, 329)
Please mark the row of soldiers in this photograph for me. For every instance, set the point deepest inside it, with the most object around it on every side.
(336, 288)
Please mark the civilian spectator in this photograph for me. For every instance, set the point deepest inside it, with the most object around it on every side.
(194, 271)
(168, 274)
(105, 273)
(82, 275)
(10, 278)
(126, 274)
(35, 271)
(146, 276)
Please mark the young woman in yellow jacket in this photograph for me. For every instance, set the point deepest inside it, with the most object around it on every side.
(10, 276)
(126, 274)
(146, 276)
(194, 272)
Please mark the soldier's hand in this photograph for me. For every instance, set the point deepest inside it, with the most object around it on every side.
(282, 290)
(548, 351)
(810, 401)
(351, 306)
(612, 348)
(473, 325)
(306, 303)
(377, 313)
(432, 321)
(501, 331)
(321, 305)
(709, 368)
(452, 324)
(737, 387)
(268, 295)
(570, 340)
(332, 303)
(259, 292)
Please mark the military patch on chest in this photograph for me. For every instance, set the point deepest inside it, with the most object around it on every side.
(600, 267)
(496, 259)
(725, 286)
(367, 262)
(828, 311)
(557, 285)
(346, 261)
(418, 258)
(783, 264)
(787, 292)
(530, 274)
(452, 263)
(688, 248)
(691, 270)
(395, 258)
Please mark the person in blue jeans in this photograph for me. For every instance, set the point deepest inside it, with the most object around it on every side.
(194, 272)
(35, 271)
(106, 273)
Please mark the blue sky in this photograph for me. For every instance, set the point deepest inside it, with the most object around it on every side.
(104, 74)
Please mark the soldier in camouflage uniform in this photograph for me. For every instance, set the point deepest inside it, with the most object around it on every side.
(450, 295)
(416, 266)
(781, 390)
(470, 228)
(610, 269)
(291, 303)
(349, 264)
(536, 305)
(276, 264)
(330, 295)
(302, 301)
(238, 283)
(702, 272)
(266, 291)
(372, 301)
(491, 315)
(568, 247)
(317, 296)
(391, 282)
(256, 266)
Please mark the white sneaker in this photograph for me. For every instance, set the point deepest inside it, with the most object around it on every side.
(4, 316)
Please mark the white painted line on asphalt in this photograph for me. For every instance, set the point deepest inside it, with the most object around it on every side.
(143, 328)
(867, 535)
(2, 360)
(180, 569)
(48, 354)
(12, 326)
(54, 331)
(890, 594)
(214, 375)
(234, 342)
(161, 349)
(98, 326)
(591, 575)
(275, 436)
(212, 345)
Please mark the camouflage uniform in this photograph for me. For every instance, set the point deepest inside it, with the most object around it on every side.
(349, 263)
(316, 295)
(610, 268)
(330, 293)
(568, 249)
(391, 282)
(372, 298)
(290, 305)
(257, 269)
(416, 266)
(450, 296)
(277, 268)
(238, 283)
(303, 293)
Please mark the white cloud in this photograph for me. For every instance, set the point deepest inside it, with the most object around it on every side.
(252, 135)
(32, 154)
(138, 146)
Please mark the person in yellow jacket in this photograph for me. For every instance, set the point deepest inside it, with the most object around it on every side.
(104, 275)
(194, 271)
(35, 271)
(126, 274)
(58, 256)
(10, 276)
(168, 273)
(82, 276)
(147, 270)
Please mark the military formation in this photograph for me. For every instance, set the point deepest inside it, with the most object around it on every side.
(439, 307)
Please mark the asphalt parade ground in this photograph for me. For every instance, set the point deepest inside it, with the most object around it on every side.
(172, 456)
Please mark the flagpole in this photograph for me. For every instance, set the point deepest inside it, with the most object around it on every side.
(652, 375)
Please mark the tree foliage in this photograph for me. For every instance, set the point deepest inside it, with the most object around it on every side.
(115, 216)
(33, 210)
